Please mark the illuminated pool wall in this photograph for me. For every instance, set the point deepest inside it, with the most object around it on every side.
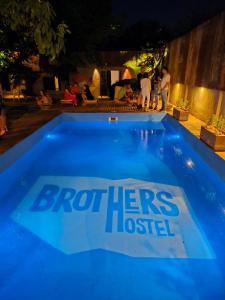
(197, 66)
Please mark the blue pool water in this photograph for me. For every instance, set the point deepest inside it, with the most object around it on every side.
(112, 210)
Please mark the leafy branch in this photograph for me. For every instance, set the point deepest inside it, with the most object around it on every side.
(35, 20)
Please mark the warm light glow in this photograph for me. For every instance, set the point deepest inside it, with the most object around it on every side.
(177, 92)
(173, 137)
(56, 83)
(177, 87)
(51, 136)
(96, 78)
(127, 74)
(138, 61)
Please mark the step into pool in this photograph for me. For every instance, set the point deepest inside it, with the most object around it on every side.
(112, 206)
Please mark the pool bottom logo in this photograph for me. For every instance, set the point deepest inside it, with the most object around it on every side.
(133, 217)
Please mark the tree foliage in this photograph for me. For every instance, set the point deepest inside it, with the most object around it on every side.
(149, 59)
(4, 60)
(91, 22)
(28, 25)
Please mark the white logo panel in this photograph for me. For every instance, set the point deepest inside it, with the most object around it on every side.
(133, 217)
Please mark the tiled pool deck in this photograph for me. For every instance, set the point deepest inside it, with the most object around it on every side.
(28, 122)
(194, 126)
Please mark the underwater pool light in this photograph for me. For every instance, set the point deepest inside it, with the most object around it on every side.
(189, 163)
(50, 136)
(172, 137)
(112, 119)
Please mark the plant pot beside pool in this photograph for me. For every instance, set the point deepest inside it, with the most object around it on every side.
(180, 114)
(212, 139)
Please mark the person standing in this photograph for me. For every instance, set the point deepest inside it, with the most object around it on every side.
(155, 89)
(165, 86)
(129, 93)
(140, 76)
(145, 90)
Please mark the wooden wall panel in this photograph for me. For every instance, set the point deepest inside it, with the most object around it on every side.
(193, 57)
(198, 58)
(218, 51)
(183, 58)
(203, 71)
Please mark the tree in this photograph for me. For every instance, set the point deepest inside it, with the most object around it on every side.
(144, 35)
(27, 28)
(32, 23)
(150, 59)
(90, 22)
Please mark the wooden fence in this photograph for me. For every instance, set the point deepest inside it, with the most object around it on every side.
(197, 66)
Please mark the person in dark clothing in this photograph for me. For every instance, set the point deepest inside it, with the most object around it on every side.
(155, 89)
(87, 96)
(86, 93)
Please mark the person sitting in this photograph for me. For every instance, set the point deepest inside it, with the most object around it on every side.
(69, 96)
(45, 99)
(76, 91)
(125, 95)
(87, 96)
(129, 94)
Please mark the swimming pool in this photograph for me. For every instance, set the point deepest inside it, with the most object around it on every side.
(93, 209)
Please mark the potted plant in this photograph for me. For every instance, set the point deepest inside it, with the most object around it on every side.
(213, 134)
(181, 111)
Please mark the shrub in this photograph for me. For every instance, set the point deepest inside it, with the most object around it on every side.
(183, 104)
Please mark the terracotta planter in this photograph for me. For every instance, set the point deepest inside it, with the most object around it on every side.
(216, 142)
(180, 114)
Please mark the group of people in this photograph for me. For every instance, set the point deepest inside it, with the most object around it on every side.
(73, 93)
(149, 91)
(78, 95)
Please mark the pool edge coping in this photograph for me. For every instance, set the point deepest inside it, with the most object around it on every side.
(208, 155)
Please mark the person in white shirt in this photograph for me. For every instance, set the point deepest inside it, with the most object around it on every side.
(145, 90)
(165, 86)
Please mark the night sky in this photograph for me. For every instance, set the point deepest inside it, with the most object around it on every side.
(168, 12)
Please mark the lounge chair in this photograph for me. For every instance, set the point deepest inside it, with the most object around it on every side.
(67, 102)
